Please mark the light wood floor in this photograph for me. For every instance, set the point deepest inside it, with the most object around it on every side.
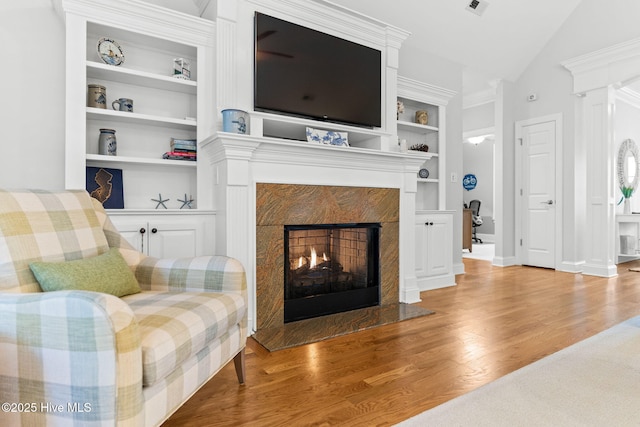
(495, 321)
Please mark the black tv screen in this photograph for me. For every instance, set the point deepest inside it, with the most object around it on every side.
(307, 73)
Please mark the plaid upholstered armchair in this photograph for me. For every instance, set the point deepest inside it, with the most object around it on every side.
(94, 333)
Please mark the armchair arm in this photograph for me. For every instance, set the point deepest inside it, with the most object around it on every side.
(199, 274)
(69, 355)
(115, 240)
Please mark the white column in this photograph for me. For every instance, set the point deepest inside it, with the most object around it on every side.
(394, 41)
(599, 234)
(409, 291)
(594, 76)
(234, 192)
(226, 55)
(505, 175)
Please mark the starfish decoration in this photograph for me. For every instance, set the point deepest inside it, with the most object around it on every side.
(186, 202)
(160, 201)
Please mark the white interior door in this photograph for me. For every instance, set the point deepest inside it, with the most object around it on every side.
(538, 180)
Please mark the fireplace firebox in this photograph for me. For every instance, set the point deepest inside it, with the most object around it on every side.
(330, 268)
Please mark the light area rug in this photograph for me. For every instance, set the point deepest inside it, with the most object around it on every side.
(595, 382)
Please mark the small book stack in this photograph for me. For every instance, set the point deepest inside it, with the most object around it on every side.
(182, 149)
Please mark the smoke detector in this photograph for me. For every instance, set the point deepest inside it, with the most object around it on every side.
(477, 6)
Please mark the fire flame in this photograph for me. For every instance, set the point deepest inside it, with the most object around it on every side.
(314, 258)
(313, 261)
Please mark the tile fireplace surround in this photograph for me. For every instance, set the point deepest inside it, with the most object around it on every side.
(262, 183)
(278, 205)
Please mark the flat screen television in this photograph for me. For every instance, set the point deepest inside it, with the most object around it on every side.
(307, 73)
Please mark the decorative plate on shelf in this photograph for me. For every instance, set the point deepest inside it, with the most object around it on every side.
(423, 173)
(110, 51)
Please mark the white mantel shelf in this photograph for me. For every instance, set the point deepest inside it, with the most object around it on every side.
(301, 153)
(240, 162)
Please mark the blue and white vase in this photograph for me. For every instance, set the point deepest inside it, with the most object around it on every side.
(235, 121)
(107, 144)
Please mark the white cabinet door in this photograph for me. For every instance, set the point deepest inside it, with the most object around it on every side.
(134, 230)
(434, 259)
(167, 236)
(438, 245)
(176, 239)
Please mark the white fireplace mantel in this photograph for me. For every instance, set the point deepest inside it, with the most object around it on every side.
(240, 162)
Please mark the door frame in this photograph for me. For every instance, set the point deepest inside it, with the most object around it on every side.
(519, 199)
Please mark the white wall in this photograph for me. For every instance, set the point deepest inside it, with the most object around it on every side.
(478, 160)
(627, 126)
(479, 117)
(32, 86)
(594, 25)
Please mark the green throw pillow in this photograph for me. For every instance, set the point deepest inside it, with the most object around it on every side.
(107, 273)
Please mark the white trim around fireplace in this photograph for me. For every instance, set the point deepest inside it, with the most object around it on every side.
(240, 162)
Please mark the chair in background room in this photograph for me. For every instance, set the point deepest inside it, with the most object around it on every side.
(474, 205)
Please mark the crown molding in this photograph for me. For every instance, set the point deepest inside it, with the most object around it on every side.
(160, 22)
(335, 19)
(628, 96)
(423, 92)
(609, 66)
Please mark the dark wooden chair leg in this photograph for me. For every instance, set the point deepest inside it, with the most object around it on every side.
(238, 361)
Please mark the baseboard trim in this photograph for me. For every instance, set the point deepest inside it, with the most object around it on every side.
(571, 267)
(600, 270)
(436, 282)
(504, 261)
(411, 292)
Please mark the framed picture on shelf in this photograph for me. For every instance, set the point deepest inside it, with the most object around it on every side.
(105, 185)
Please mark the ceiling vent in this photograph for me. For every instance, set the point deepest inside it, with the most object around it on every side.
(477, 6)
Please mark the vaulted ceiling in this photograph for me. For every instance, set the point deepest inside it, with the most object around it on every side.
(499, 44)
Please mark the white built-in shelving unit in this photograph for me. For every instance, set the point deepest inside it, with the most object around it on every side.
(417, 96)
(164, 107)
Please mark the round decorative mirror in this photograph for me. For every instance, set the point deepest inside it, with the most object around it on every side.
(628, 167)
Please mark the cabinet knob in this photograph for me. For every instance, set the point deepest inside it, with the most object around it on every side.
(154, 230)
(428, 223)
(142, 230)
